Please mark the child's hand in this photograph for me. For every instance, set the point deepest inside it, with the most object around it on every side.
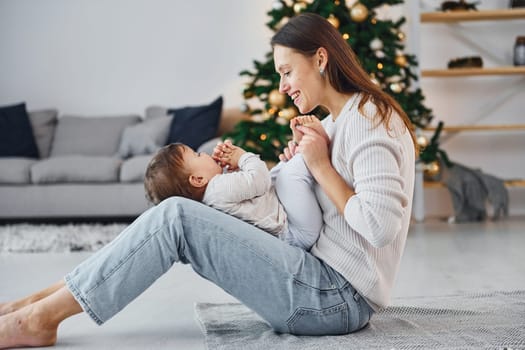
(228, 155)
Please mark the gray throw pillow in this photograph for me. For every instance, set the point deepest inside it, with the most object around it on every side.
(144, 138)
(90, 136)
(43, 123)
(76, 169)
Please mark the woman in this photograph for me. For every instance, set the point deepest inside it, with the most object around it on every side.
(364, 187)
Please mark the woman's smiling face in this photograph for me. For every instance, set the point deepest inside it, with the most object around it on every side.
(300, 78)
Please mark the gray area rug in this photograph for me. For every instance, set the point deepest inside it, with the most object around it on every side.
(27, 238)
(481, 321)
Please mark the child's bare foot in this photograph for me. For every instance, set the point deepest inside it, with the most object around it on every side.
(310, 121)
(25, 328)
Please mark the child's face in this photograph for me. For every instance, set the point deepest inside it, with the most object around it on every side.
(201, 164)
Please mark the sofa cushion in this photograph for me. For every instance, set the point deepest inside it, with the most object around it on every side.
(15, 170)
(133, 169)
(90, 136)
(193, 125)
(43, 123)
(71, 169)
(16, 134)
(152, 112)
(144, 138)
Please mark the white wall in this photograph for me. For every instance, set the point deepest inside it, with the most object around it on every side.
(119, 56)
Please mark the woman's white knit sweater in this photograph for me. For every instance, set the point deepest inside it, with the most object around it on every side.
(366, 244)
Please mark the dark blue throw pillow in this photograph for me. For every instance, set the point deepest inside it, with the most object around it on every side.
(195, 125)
(16, 133)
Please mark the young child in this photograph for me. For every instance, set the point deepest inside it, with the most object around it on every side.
(281, 202)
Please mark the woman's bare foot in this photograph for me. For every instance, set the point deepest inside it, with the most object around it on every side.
(36, 324)
(13, 306)
(26, 328)
(310, 121)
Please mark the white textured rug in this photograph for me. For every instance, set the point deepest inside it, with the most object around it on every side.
(481, 321)
(27, 238)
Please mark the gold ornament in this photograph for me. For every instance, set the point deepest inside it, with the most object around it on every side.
(276, 99)
(333, 21)
(422, 141)
(288, 113)
(431, 170)
(358, 12)
(299, 7)
(248, 94)
(401, 60)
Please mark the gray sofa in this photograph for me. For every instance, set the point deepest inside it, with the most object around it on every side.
(88, 167)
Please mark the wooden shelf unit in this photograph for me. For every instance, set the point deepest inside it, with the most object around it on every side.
(461, 72)
(482, 15)
(500, 127)
(508, 183)
(454, 19)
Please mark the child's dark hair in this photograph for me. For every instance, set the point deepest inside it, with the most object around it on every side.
(166, 175)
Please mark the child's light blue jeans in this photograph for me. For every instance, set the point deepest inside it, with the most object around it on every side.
(291, 289)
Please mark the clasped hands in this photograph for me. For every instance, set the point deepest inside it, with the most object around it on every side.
(227, 155)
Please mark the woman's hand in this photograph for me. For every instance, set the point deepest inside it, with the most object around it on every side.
(314, 148)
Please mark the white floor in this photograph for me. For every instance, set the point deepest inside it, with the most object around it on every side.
(440, 259)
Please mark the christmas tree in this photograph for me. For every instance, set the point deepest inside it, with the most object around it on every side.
(379, 44)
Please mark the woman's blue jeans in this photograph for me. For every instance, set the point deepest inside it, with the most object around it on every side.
(291, 289)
